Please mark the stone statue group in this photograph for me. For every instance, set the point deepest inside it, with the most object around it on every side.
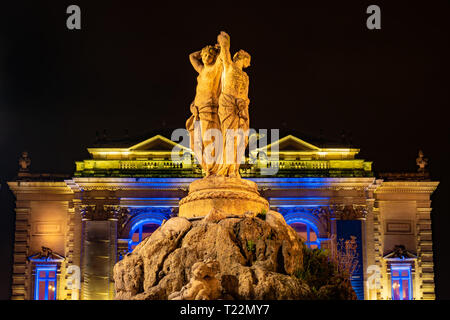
(219, 124)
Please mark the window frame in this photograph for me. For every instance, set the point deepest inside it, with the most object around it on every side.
(138, 226)
(47, 268)
(309, 226)
(400, 278)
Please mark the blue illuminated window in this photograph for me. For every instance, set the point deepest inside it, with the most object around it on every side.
(141, 231)
(401, 282)
(45, 282)
(307, 234)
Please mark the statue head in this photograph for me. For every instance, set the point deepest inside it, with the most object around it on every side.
(199, 270)
(242, 59)
(209, 54)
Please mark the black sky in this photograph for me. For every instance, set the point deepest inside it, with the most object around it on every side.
(315, 66)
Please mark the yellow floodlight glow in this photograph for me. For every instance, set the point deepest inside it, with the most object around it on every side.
(124, 153)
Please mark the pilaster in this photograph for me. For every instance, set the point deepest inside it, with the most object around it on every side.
(21, 273)
(425, 268)
(99, 249)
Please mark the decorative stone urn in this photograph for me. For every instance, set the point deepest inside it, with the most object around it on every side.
(235, 196)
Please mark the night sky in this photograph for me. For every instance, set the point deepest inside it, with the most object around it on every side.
(314, 67)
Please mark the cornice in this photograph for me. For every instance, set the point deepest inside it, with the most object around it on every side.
(335, 184)
(407, 187)
(39, 187)
(78, 184)
(114, 184)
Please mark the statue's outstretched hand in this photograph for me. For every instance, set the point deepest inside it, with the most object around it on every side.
(224, 34)
(223, 38)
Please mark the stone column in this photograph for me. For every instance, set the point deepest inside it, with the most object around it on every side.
(371, 257)
(99, 250)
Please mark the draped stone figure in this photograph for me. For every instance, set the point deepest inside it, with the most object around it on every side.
(204, 108)
(233, 107)
(221, 103)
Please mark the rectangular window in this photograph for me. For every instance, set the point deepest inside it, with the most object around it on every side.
(401, 282)
(45, 282)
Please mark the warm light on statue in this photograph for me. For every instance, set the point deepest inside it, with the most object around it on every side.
(219, 129)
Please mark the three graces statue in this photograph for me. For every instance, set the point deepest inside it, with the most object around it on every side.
(219, 124)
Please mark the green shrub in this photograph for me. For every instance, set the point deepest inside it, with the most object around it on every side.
(322, 276)
(251, 246)
(262, 215)
(317, 268)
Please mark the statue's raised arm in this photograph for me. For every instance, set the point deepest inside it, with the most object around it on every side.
(196, 60)
(223, 40)
(205, 105)
(233, 107)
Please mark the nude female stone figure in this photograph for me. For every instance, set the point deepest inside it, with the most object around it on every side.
(233, 107)
(204, 108)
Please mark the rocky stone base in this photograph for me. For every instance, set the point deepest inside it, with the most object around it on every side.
(234, 196)
(215, 257)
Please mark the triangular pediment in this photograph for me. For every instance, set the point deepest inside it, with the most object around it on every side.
(399, 253)
(292, 144)
(156, 143)
(46, 255)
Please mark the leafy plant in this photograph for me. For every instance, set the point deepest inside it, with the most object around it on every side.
(251, 246)
(317, 268)
(327, 272)
(262, 215)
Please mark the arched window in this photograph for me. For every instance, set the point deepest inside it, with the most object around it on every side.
(307, 233)
(142, 230)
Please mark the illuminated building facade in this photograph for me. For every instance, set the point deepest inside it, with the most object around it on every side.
(124, 192)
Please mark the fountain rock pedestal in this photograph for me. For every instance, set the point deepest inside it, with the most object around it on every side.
(216, 257)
